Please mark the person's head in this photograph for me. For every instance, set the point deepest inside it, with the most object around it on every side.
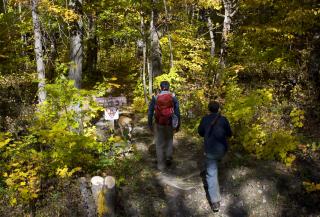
(213, 106)
(164, 85)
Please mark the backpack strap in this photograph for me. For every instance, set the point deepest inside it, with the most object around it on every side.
(215, 120)
(213, 123)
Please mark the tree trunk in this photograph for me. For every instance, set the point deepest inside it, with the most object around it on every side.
(314, 64)
(169, 35)
(23, 36)
(144, 73)
(97, 183)
(192, 13)
(144, 59)
(38, 52)
(150, 77)
(92, 54)
(212, 77)
(229, 12)
(213, 45)
(52, 58)
(76, 49)
(109, 196)
(155, 52)
(4, 6)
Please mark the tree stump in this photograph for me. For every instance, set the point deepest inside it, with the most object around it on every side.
(103, 192)
(110, 195)
(96, 187)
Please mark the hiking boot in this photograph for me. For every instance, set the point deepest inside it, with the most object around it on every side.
(215, 206)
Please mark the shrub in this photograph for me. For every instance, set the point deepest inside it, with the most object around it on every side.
(60, 142)
(256, 119)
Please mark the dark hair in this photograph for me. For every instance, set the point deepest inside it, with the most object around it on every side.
(214, 106)
(164, 85)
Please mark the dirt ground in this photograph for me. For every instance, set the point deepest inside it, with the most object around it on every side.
(249, 187)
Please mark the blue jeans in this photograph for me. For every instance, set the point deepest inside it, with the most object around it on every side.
(212, 175)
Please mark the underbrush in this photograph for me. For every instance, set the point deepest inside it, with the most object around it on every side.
(60, 144)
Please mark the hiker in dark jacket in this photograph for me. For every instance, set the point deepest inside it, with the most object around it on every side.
(215, 129)
(163, 131)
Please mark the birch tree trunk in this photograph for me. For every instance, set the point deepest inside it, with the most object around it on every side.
(144, 59)
(155, 52)
(38, 52)
(144, 73)
(229, 12)
(23, 36)
(150, 77)
(212, 77)
(168, 32)
(76, 49)
(213, 45)
(192, 13)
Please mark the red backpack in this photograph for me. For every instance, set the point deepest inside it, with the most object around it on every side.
(164, 109)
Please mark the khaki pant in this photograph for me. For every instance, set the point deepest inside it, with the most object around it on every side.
(164, 144)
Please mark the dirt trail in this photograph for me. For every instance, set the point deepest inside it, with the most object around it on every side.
(248, 187)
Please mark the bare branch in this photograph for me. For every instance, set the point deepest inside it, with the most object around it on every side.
(220, 15)
(234, 11)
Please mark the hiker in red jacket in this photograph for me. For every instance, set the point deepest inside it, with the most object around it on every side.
(165, 107)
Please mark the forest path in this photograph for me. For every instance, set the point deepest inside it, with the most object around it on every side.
(248, 188)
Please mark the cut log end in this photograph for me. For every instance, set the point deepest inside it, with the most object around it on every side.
(109, 182)
(97, 181)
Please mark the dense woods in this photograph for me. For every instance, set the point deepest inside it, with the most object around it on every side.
(259, 58)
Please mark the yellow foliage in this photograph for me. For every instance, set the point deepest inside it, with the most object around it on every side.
(65, 173)
(13, 201)
(139, 104)
(4, 139)
(4, 142)
(237, 68)
(297, 117)
(288, 159)
(215, 4)
(311, 186)
(254, 140)
(66, 14)
(26, 183)
(256, 128)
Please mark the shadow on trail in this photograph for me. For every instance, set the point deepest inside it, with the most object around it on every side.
(248, 187)
(251, 187)
(264, 188)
